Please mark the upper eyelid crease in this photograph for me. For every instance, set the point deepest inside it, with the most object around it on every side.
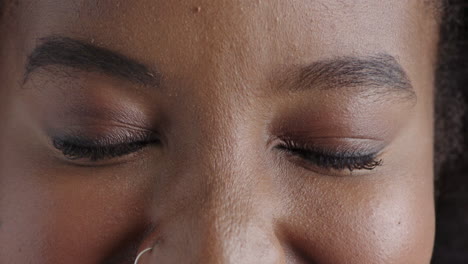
(118, 125)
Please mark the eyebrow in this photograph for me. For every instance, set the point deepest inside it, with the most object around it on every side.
(68, 52)
(380, 74)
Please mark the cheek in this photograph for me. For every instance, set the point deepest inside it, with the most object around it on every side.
(50, 213)
(61, 220)
(365, 222)
(386, 217)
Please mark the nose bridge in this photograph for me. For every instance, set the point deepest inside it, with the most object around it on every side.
(222, 230)
(226, 216)
(234, 223)
(229, 229)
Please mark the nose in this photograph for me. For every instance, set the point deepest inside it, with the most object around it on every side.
(253, 245)
(224, 231)
(221, 210)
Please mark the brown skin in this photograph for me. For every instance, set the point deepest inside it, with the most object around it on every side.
(217, 190)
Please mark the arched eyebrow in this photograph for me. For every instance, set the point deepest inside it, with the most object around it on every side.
(77, 54)
(380, 74)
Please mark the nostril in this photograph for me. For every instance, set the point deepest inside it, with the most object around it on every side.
(141, 254)
(150, 241)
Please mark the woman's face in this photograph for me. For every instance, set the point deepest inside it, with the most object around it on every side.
(217, 131)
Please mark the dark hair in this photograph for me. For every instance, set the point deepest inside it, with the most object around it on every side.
(451, 163)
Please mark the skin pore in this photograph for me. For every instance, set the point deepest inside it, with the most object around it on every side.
(217, 131)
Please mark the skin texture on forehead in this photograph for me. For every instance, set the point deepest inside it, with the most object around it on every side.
(215, 196)
(179, 32)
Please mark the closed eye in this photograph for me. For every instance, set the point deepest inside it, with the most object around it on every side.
(331, 159)
(103, 148)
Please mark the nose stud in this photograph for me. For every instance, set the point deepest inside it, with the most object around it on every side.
(141, 254)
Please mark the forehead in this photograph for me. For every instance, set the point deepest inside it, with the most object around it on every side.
(180, 35)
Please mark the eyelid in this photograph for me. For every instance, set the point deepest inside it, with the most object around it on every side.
(110, 146)
(104, 135)
(337, 144)
(345, 154)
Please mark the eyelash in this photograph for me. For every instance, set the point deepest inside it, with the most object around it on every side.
(96, 150)
(327, 159)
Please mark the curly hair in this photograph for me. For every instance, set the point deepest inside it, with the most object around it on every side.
(451, 163)
(451, 101)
